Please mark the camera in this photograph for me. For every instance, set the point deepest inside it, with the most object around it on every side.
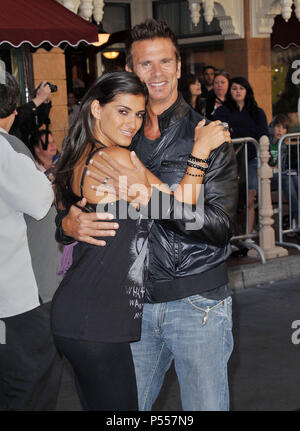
(53, 88)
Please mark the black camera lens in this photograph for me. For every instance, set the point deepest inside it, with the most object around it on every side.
(53, 88)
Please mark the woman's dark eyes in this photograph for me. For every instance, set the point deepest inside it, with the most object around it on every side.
(124, 112)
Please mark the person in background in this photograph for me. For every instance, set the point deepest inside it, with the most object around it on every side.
(208, 81)
(32, 115)
(218, 96)
(245, 119)
(190, 87)
(45, 153)
(279, 127)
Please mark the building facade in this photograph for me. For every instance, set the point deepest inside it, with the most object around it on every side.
(234, 35)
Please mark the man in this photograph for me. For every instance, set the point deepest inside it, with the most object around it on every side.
(32, 115)
(30, 367)
(187, 314)
(208, 85)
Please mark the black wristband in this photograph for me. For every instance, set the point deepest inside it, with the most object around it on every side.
(194, 165)
(196, 159)
(59, 234)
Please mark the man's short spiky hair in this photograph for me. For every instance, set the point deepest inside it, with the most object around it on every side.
(150, 29)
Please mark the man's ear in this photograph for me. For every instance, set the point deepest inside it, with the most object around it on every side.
(127, 68)
(96, 109)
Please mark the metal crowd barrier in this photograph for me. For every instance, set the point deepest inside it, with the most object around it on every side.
(291, 175)
(241, 240)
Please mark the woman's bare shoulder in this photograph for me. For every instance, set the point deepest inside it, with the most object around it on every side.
(119, 154)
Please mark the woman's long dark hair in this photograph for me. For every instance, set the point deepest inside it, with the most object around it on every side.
(184, 86)
(250, 102)
(81, 132)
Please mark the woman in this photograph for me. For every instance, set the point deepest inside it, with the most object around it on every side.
(245, 119)
(215, 100)
(45, 152)
(97, 309)
(191, 90)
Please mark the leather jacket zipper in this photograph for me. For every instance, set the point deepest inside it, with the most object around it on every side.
(176, 252)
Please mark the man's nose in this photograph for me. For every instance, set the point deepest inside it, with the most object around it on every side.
(156, 68)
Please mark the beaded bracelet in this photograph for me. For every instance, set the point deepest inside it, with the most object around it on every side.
(195, 159)
(194, 165)
(194, 175)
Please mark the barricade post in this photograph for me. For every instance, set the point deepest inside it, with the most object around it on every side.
(244, 240)
(266, 231)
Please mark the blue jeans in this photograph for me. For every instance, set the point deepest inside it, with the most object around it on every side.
(197, 333)
(252, 174)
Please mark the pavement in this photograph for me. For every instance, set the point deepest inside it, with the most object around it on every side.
(245, 272)
(264, 366)
(263, 369)
(247, 275)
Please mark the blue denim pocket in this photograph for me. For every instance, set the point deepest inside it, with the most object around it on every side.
(215, 306)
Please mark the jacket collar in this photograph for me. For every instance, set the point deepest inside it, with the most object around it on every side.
(173, 114)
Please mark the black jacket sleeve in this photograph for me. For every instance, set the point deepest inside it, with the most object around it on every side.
(29, 119)
(59, 233)
(213, 224)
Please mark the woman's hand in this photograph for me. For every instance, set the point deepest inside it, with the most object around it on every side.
(129, 183)
(208, 138)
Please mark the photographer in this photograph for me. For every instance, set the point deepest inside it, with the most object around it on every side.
(32, 115)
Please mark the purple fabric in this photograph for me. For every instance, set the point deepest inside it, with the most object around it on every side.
(66, 258)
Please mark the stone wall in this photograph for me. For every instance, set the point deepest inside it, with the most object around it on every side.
(50, 66)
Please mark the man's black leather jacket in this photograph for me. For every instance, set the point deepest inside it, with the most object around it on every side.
(184, 261)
